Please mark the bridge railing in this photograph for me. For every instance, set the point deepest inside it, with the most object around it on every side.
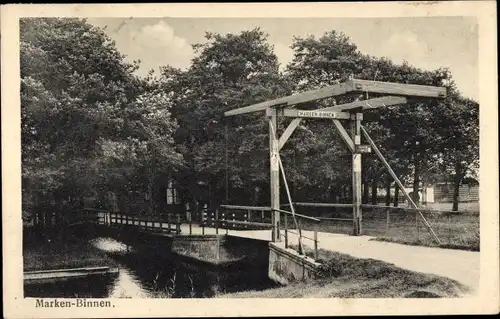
(163, 223)
(251, 213)
(296, 229)
(241, 217)
(169, 223)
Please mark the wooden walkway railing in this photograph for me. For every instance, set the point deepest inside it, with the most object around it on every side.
(283, 232)
(171, 223)
(163, 223)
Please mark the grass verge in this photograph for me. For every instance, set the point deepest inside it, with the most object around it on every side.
(455, 230)
(343, 276)
(61, 253)
(472, 245)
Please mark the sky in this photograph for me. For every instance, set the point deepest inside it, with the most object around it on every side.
(425, 42)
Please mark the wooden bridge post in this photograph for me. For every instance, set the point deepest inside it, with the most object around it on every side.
(416, 225)
(169, 223)
(355, 125)
(161, 222)
(178, 224)
(190, 220)
(286, 230)
(388, 221)
(274, 172)
(217, 221)
(315, 243)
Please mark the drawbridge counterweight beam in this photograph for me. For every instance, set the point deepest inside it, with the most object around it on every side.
(367, 104)
(350, 86)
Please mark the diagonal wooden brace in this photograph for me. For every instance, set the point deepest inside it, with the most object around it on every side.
(345, 136)
(400, 185)
(288, 132)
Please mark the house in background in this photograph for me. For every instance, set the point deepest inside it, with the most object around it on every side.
(443, 192)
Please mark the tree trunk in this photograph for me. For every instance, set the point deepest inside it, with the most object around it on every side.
(151, 184)
(388, 193)
(374, 192)
(149, 206)
(366, 192)
(456, 185)
(416, 180)
(396, 195)
(424, 191)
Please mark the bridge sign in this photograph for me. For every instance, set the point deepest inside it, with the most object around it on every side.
(363, 148)
(317, 114)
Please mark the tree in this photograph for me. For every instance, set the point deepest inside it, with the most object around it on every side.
(458, 124)
(82, 110)
(229, 71)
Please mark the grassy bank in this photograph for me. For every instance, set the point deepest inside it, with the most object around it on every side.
(59, 252)
(455, 231)
(343, 276)
(470, 244)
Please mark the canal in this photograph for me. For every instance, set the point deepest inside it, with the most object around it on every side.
(143, 274)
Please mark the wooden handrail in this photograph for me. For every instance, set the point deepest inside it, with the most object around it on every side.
(320, 205)
(298, 215)
(303, 236)
(333, 218)
(257, 208)
(96, 210)
(240, 222)
(411, 209)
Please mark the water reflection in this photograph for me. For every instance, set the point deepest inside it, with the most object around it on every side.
(147, 273)
(110, 245)
(127, 285)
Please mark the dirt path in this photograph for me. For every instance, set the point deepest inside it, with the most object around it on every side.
(460, 265)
